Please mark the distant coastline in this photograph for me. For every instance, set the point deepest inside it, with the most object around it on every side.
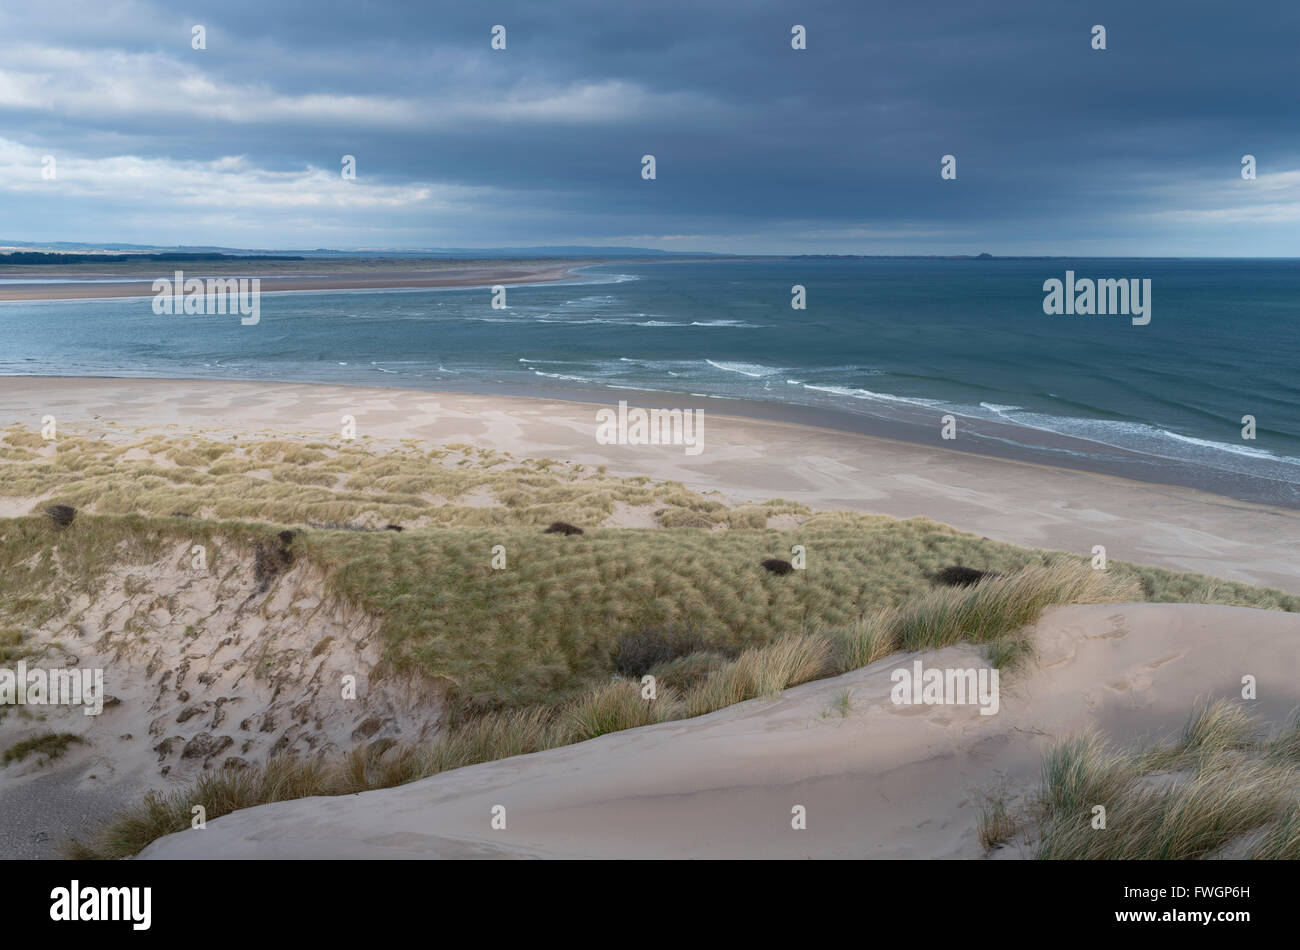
(134, 278)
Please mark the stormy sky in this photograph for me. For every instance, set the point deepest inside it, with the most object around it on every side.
(759, 148)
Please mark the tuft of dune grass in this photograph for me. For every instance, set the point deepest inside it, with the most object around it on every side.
(1282, 841)
(995, 606)
(495, 735)
(218, 793)
(863, 642)
(1222, 787)
(764, 671)
(49, 745)
(996, 826)
(615, 707)
(1010, 652)
(995, 612)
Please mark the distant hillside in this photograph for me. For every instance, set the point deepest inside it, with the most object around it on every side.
(64, 252)
(45, 257)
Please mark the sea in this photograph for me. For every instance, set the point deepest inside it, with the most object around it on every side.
(1205, 394)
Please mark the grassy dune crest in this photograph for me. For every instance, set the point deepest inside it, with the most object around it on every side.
(342, 484)
(554, 620)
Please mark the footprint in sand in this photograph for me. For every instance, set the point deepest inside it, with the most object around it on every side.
(1117, 629)
(1156, 664)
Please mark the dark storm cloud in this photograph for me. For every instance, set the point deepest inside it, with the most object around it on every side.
(759, 147)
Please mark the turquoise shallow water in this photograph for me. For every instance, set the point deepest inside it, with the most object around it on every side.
(896, 341)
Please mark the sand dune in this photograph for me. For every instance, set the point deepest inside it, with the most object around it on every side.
(883, 781)
(879, 781)
(1018, 502)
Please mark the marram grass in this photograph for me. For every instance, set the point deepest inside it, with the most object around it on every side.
(1223, 789)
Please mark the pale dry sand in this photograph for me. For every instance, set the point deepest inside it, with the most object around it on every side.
(883, 781)
(202, 670)
(1019, 502)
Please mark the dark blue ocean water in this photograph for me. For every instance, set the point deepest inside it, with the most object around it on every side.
(901, 340)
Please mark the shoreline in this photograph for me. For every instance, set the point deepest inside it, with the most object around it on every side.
(1015, 500)
(476, 275)
(983, 439)
(1053, 450)
(1151, 446)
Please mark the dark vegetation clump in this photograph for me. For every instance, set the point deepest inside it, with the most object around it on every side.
(61, 515)
(689, 671)
(11, 648)
(50, 744)
(638, 653)
(392, 527)
(956, 576)
(562, 527)
(270, 560)
(778, 566)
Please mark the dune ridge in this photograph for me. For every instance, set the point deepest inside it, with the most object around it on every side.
(881, 781)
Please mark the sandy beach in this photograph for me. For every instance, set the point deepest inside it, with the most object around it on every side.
(1018, 502)
(81, 283)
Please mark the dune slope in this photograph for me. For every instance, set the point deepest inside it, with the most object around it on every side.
(876, 779)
